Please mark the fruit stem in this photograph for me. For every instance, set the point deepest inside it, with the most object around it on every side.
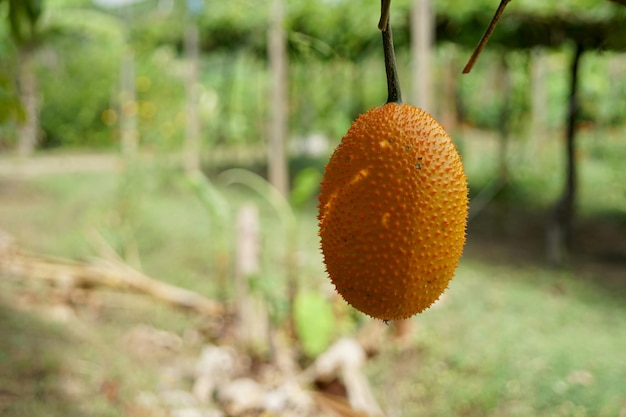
(384, 14)
(394, 95)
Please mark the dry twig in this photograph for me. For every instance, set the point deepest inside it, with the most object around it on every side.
(68, 273)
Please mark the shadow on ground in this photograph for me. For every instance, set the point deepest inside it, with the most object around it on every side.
(32, 365)
(515, 235)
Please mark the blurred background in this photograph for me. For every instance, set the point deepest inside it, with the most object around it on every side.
(159, 168)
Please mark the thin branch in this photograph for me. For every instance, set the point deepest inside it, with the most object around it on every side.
(486, 36)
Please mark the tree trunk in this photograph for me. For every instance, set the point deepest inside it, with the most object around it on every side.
(559, 234)
(277, 55)
(192, 139)
(422, 31)
(504, 122)
(28, 131)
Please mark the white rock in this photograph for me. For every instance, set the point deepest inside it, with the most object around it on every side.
(344, 353)
(288, 396)
(178, 399)
(215, 366)
(196, 412)
(240, 396)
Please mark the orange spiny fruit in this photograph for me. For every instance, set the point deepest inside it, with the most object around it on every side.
(392, 212)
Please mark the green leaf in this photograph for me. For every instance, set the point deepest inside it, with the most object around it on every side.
(314, 321)
(305, 185)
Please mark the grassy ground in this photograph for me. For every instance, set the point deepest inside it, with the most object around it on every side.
(512, 341)
(95, 358)
(513, 337)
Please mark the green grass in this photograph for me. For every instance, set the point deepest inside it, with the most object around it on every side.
(511, 341)
(84, 363)
(512, 337)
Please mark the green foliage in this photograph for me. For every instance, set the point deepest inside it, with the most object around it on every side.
(217, 206)
(349, 31)
(314, 321)
(83, 107)
(78, 77)
(23, 16)
(460, 9)
(243, 22)
(160, 99)
(335, 70)
(485, 110)
(11, 110)
(10, 106)
(305, 187)
(233, 98)
(602, 90)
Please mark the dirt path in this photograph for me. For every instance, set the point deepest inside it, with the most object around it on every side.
(15, 167)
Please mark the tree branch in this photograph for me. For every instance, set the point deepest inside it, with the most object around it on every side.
(486, 36)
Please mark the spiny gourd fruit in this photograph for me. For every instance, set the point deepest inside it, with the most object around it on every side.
(392, 212)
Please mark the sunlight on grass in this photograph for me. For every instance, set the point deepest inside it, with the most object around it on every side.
(511, 341)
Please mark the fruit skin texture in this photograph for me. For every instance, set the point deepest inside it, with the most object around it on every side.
(393, 212)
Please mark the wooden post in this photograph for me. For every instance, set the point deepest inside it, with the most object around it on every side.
(422, 30)
(252, 328)
(28, 132)
(277, 133)
(248, 246)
